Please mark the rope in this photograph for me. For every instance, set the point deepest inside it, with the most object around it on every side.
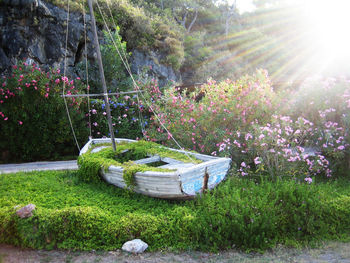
(103, 94)
(126, 64)
(64, 79)
(124, 53)
(87, 75)
(140, 116)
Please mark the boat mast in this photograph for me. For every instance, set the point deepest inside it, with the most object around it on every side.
(99, 60)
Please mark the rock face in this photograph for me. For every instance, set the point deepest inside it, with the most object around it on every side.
(149, 64)
(26, 211)
(35, 30)
(135, 246)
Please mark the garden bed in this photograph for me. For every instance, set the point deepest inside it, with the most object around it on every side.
(250, 214)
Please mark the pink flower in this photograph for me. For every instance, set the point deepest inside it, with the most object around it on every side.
(20, 123)
(243, 164)
(341, 147)
(5, 119)
(248, 136)
(46, 95)
(104, 113)
(95, 124)
(57, 81)
(94, 111)
(308, 180)
(257, 160)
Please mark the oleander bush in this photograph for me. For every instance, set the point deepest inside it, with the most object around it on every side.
(33, 118)
(245, 213)
(202, 120)
(300, 133)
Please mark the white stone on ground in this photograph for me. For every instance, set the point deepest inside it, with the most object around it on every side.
(135, 246)
(26, 211)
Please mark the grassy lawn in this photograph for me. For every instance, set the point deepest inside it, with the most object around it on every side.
(251, 214)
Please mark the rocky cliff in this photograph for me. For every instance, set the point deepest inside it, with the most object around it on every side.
(35, 31)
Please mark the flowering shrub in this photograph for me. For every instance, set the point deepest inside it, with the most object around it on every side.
(321, 100)
(293, 148)
(33, 118)
(203, 124)
(243, 120)
(126, 117)
(326, 103)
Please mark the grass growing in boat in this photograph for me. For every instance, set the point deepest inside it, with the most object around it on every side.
(250, 214)
(91, 163)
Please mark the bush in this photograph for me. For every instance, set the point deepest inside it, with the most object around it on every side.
(128, 117)
(243, 120)
(203, 120)
(116, 76)
(249, 214)
(325, 102)
(71, 214)
(258, 214)
(33, 118)
(292, 148)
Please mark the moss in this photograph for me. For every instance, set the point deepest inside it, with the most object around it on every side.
(91, 163)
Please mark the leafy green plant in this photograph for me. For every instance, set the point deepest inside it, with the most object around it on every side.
(128, 117)
(245, 213)
(33, 118)
(204, 119)
(116, 76)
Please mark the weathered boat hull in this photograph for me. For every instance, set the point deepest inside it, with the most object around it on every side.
(183, 183)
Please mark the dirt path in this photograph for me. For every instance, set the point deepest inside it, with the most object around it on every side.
(332, 252)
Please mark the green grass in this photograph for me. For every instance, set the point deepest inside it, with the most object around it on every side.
(251, 214)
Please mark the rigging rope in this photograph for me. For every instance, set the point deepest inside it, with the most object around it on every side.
(126, 64)
(141, 119)
(87, 75)
(65, 79)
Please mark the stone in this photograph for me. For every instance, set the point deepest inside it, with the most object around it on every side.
(26, 211)
(142, 61)
(135, 246)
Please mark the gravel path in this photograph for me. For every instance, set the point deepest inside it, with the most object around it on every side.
(38, 166)
(331, 252)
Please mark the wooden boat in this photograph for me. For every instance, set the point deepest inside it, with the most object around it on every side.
(184, 182)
